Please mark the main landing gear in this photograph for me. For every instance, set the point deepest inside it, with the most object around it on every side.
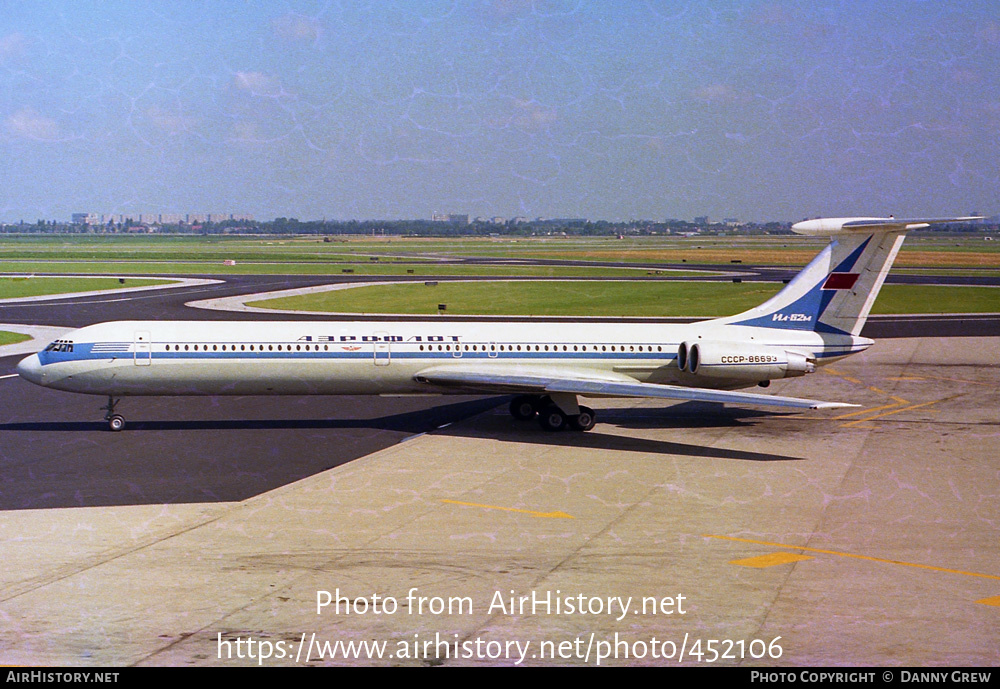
(553, 414)
(116, 422)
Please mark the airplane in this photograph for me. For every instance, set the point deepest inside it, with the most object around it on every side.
(814, 320)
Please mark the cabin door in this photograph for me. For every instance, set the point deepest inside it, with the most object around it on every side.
(142, 350)
(381, 349)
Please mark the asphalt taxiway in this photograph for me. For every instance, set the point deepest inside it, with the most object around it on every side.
(864, 537)
(846, 537)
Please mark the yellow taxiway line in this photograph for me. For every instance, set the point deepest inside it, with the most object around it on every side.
(549, 515)
(853, 555)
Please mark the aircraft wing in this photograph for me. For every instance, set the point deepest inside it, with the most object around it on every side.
(542, 380)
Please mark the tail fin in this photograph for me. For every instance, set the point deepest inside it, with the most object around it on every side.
(836, 291)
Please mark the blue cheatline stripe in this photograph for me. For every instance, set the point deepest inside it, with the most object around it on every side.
(93, 352)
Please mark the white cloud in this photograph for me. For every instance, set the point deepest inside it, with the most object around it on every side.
(169, 122)
(28, 124)
(718, 94)
(528, 115)
(12, 45)
(295, 27)
(259, 84)
(245, 131)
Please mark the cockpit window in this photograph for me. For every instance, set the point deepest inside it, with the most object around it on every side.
(60, 346)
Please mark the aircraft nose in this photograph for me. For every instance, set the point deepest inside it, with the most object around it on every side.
(30, 369)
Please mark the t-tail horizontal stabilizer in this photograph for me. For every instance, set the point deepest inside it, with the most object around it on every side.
(823, 227)
(834, 294)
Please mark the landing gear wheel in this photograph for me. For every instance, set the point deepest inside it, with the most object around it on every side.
(583, 421)
(116, 422)
(522, 407)
(552, 418)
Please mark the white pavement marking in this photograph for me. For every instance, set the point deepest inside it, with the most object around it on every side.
(170, 283)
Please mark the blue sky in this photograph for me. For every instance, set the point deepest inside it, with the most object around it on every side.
(606, 110)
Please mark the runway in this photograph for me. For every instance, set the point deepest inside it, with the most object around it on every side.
(219, 519)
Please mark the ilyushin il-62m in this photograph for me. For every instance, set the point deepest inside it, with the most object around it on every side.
(814, 320)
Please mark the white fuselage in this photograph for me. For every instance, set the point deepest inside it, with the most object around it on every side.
(374, 357)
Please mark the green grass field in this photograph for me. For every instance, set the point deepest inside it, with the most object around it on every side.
(390, 269)
(160, 254)
(406, 256)
(612, 299)
(7, 338)
(15, 287)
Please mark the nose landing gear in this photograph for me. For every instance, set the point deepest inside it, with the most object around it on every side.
(116, 422)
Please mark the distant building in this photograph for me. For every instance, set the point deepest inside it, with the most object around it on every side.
(454, 218)
(85, 219)
(701, 220)
(160, 218)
